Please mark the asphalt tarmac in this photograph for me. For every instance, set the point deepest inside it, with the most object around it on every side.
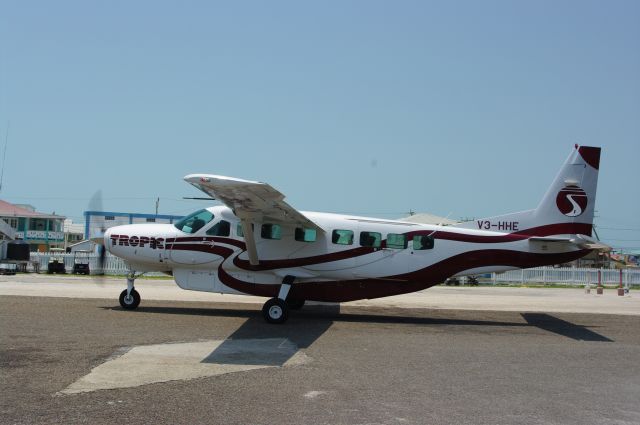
(361, 365)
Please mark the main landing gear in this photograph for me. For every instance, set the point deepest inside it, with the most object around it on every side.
(130, 298)
(276, 310)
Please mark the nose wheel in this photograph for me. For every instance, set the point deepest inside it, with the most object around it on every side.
(129, 301)
(130, 298)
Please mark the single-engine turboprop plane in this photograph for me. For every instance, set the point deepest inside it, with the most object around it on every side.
(257, 244)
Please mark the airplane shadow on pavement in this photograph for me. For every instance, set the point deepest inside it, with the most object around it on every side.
(562, 327)
(306, 326)
(256, 342)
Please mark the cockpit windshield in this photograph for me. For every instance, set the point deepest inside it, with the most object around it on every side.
(194, 222)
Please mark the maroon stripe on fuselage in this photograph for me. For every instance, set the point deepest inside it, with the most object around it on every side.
(489, 257)
(219, 239)
(209, 249)
(547, 230)
(350, 290)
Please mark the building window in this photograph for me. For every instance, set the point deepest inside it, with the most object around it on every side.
(342, 237)
(13, 222)
(396, 241)
(421, 242)
(372, 239)
(306, 235)
(151, 220)
(271, 231)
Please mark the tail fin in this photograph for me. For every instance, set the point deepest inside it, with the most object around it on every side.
(566, 208)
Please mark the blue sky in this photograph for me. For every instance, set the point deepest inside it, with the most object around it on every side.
(464, 108)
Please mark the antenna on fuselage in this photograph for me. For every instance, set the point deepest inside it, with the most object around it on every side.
(441, 223)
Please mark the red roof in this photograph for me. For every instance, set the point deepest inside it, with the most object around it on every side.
(10, 210)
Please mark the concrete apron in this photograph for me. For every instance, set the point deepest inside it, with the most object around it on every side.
(150, 364)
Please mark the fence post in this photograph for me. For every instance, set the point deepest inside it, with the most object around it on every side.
(620, 288)
(626, 281)
(599, 291)
(522, 276)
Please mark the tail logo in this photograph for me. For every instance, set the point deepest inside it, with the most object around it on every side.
(571, 201)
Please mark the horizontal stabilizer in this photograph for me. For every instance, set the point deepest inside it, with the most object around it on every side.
(582, 241)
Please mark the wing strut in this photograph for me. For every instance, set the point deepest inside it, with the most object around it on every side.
(250, 241)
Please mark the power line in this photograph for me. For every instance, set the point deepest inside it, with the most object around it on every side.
(623, 240)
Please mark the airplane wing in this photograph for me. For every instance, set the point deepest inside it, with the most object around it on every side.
(252, 202)
(258, 202)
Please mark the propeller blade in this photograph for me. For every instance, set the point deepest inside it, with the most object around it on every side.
(102, 254)
(95, 204)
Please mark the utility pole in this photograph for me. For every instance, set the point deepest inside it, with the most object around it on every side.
(4, 154)
(157, 204)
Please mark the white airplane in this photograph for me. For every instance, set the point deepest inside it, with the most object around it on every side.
(257, 244)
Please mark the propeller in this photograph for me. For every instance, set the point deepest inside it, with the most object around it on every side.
(95, 204)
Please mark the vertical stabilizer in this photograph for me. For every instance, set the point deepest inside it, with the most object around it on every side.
(566, 208)
(571, 198)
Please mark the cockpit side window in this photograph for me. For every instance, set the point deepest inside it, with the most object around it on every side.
(221, 228)
(194, 222)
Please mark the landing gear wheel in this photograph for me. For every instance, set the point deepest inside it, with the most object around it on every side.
(295, 304)
(275, 311)
(131, 301)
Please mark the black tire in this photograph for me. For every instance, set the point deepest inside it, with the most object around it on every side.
(295, 304)
(275, 311)
(129, 303)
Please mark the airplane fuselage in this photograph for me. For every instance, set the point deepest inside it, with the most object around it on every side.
(353, 258)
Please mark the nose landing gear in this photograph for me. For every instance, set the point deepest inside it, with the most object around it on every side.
(130, 298)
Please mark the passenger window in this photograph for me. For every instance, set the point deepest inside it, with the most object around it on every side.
(194, 222)
(271, 231)
(372, 239)
(306, 235)
(221, 228)
(396, 241)
(342, 237)
(422, 242)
